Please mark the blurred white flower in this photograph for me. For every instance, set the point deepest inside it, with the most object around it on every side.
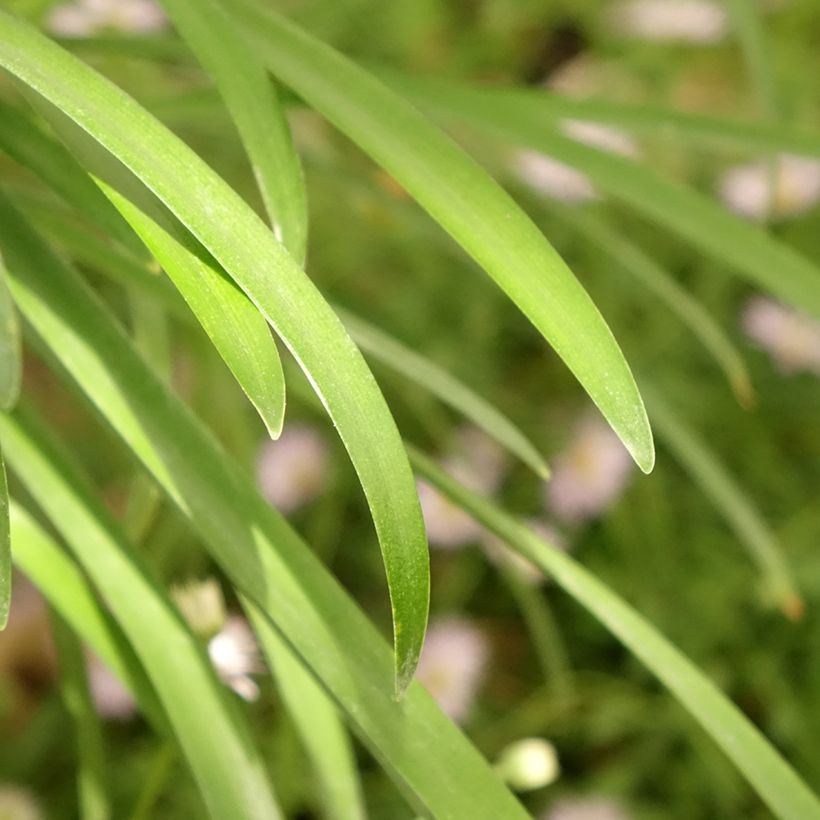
(235, 656)
(772, 189)
(590, 473)
(111, 698)
(553, 179)
(683, 21)
(477, 462)
(293, 470)
(17, 803)
(604, 137)
(202, 605)
(499, 553)
(529, 764)
(792, 338)
(84, 18)
(452, 664)
(586, 808)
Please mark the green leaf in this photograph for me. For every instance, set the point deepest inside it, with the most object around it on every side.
(632, 260)
(247, 250)
(227, 768)
(695, 456)
(255, 110)
(91, 776)
(437, 769)
(11, 354)
(464, 199)
(758, 257)
(5, 548)
(450, 390)
(551, 108)
(233, 324)
(763, 766)
(69, 593)
(317, 721)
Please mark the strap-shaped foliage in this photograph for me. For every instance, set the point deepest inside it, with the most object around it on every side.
(438, 770)
(754, 254)
(248, 251)
(5, 548)
(467, 203)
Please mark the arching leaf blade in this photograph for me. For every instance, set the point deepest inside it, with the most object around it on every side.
(250, 254)
(468, 204)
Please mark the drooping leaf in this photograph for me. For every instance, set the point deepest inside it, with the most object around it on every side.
(234, 325)
(252, 102)
(467, 203)
(438, 770)
(763, 766)
(247, 250)
(748, 249)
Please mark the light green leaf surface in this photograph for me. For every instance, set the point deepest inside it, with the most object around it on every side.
(247, 250)
(234, 325)
(69, 593)
(464, 199)
(730, 501)
(94, 803)
(11, 355)
(227, 768)
(632, 260)
(757, 257)
(453, 392)
(654, 121)
(5, 548)
(763, 766)
(252, 102)
(317, 721)
(437, 769)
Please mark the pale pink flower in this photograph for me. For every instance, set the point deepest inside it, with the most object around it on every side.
(792, 338)
(17, 803)
(235, 656)
(590, 474)
(453, 663)
(777, 189)
(84, 18)
(293, 470)
(552, 178)
(111, 698)
(683, 21)
(586, 808)
(604, 137)
(529, 764)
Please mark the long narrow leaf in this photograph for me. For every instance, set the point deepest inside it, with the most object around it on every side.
(69, 593)
(766, 770)
(317, 721)
(10, 350)
(465, 200)
(5, 548)
(758, 257)
(634, 261)
(234, 325)
(218, 747)
(255, 109)
(247, 250)
(439, 771)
